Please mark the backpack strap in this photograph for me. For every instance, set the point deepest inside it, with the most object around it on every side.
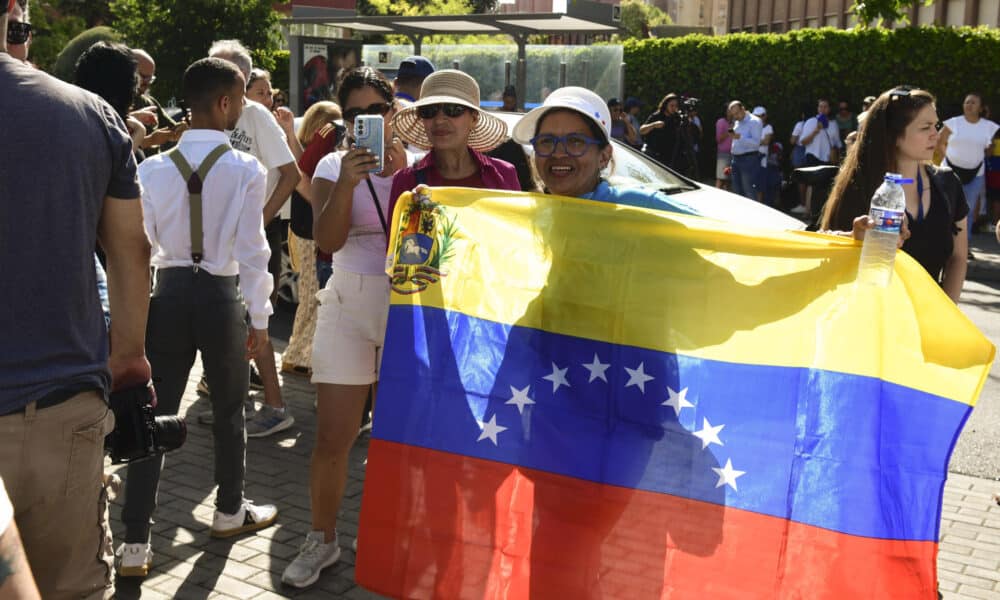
(195, 181)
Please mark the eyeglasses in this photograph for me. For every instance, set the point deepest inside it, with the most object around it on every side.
(149, 80)
(378, 108)
(574, 143)
(430, 111)
(18, 32)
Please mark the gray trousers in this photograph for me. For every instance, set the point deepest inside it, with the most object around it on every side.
(194, 311)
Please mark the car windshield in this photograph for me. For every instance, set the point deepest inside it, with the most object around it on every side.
(631, 168)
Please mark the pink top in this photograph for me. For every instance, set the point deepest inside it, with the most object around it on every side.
(722, 139)
(496, 174)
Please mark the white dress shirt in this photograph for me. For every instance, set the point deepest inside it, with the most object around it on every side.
(749, 128)
(232, 217)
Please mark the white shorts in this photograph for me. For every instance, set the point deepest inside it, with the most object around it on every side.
(350, 328)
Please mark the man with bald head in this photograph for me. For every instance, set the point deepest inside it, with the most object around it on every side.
(149, 112)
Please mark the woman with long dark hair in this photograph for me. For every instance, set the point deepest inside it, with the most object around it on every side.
(899, 136)
(349, 202)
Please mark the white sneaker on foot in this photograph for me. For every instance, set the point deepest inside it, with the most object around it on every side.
(314, 556)
(799, 210)
(134, 560)
(249, 517)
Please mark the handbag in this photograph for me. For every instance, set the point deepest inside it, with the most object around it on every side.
(965, 175)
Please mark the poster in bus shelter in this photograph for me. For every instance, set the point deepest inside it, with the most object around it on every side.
(323, 66)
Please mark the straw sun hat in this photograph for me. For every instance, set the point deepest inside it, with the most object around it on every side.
(449, 86)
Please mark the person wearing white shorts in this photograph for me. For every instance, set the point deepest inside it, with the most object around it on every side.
(350, 200)
(350, 325)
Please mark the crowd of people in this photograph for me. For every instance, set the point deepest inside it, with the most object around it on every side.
(204, 199)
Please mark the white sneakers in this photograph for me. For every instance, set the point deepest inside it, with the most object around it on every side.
(314, 556)
(134, 560)
(249, 517)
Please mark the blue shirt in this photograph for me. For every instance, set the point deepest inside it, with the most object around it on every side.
(750, 129)
(643, 198)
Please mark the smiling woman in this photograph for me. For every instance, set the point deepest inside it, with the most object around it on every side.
(570, 133)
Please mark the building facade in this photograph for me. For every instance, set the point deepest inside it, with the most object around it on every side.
(760, 16)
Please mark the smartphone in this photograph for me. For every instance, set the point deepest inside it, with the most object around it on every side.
(368, 134)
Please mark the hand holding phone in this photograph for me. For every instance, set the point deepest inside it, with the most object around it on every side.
(369, 134)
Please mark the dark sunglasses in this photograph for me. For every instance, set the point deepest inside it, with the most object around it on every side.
(430, 111)
(18, 32)
(379, 108)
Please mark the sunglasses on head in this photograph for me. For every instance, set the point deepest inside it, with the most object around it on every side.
(430, 111)
(18, 32)
(379, 108)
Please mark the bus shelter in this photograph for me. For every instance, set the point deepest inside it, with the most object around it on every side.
(314, 60)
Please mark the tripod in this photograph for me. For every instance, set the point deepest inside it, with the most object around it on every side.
(684, 150)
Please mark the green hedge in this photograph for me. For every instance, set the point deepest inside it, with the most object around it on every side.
(65, 65)
(783, 71)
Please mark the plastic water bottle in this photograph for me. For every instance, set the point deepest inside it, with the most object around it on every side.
(879, 250)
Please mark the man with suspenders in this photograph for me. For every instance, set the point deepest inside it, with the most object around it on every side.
(203, 212)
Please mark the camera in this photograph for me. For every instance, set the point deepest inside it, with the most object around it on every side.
(138, 434)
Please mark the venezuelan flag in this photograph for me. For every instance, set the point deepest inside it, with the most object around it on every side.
(583, 400)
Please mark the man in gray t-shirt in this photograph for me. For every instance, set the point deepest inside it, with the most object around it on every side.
(59, 196)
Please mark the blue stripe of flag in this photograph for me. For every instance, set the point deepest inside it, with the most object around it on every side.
(842, 452)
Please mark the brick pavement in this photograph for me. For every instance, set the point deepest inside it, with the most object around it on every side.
(190, 565)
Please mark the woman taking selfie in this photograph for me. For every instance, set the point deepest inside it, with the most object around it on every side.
(350, 197)
(899, 136)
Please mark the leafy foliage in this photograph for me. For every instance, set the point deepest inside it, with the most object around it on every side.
(876, 11)
(53, 30)
(178, 32)
(638, 17)
(65, 64)
(783, 71)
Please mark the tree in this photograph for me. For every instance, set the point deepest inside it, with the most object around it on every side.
(179, 32)
(877, 11)
(638, 17)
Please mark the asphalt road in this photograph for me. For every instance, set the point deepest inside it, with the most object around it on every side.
(978, 450)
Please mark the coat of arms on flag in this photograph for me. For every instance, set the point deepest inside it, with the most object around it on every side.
(609, 402)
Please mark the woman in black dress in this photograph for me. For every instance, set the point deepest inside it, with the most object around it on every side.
(899, 136)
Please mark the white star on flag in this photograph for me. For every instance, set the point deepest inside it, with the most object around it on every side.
(708, 434)
(557, 377)
(638, 377)
(727, 474)
(490, 430)
(597, 369)
(677, 400)
(520, 398)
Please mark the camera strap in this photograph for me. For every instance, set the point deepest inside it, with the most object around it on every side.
(195, 181)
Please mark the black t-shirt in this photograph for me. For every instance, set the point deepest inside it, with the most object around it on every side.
(932, 239)
(662, 142)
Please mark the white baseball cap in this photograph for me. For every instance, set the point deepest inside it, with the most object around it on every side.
(578, 99)
(758, 111)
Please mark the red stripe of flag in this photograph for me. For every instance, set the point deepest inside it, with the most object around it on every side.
(440, 525)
